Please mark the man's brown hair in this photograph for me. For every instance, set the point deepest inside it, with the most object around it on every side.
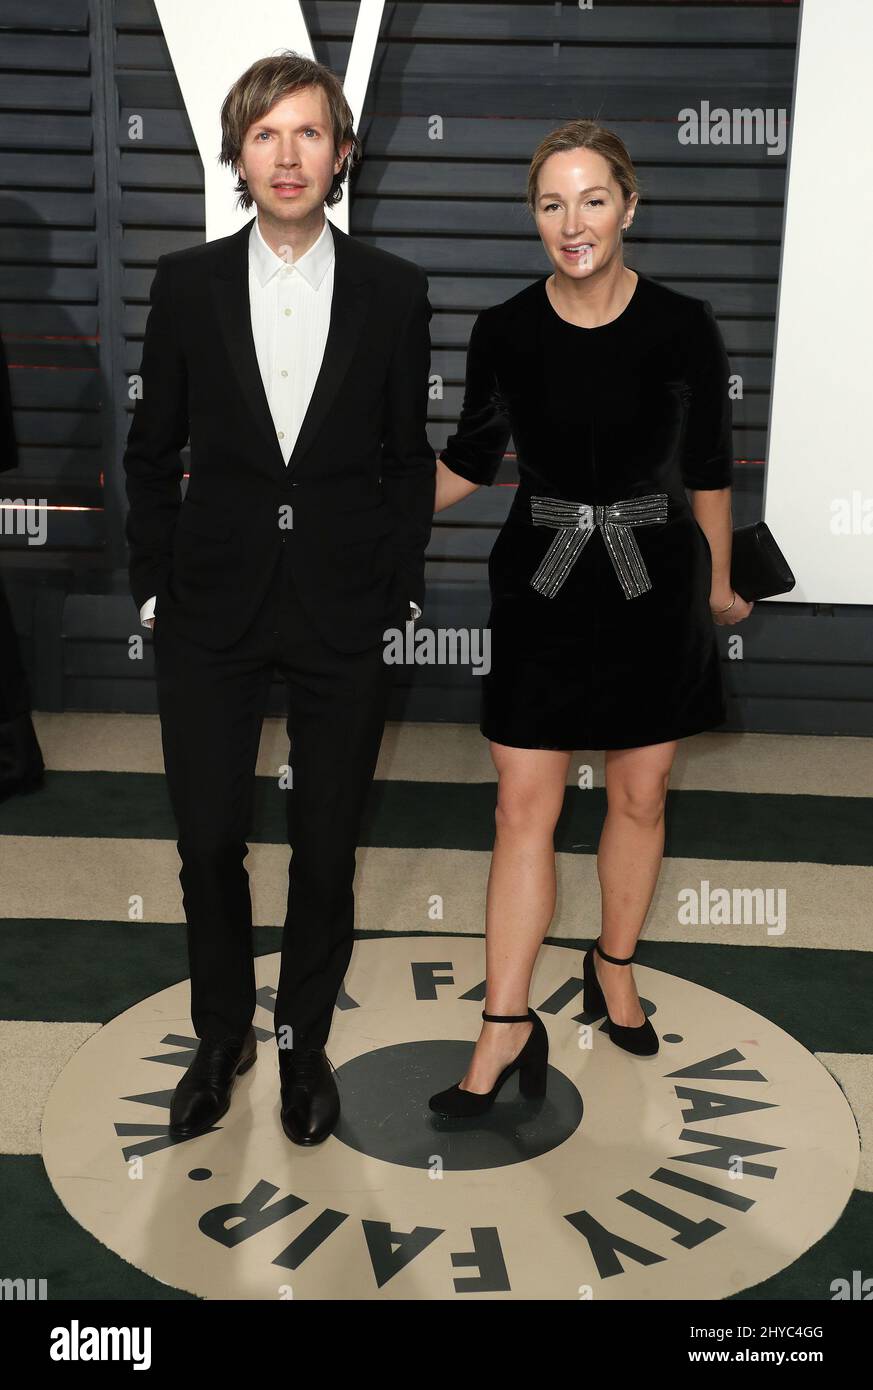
(257, 91)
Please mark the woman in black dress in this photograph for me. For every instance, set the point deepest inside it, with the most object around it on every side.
(605, 582)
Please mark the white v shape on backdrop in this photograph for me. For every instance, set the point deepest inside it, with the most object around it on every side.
(213, 42)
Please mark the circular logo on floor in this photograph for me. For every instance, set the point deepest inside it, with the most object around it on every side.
(708, 1167)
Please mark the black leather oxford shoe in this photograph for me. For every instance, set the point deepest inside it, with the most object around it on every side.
(310, 1100)
(203, 1094)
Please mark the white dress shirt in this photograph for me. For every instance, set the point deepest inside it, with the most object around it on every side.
(290, 304)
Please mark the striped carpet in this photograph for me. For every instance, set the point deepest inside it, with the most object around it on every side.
(79, 855)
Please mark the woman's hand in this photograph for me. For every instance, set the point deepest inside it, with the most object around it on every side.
(739, 608)
(450, 488)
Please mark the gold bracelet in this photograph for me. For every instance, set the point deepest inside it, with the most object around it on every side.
(729, 607)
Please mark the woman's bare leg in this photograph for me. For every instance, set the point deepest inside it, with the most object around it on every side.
(521, 897)
(629, 860)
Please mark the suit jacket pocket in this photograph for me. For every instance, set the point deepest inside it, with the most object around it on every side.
(205, 553)
(364, 524)
(202, 526)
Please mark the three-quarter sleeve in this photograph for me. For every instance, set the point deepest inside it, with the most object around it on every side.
(477, 447)
(707, 450)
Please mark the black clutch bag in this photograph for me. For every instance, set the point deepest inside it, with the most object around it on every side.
(758, 567)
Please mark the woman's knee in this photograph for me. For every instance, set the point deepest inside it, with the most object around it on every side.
(524, 807)
(530, 788)
(642, 800)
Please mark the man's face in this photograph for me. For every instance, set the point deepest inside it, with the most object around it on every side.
(288, 158)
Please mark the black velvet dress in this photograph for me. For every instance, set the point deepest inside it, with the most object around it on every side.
(601, 631)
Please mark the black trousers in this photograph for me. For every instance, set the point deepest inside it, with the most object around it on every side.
(211, 706)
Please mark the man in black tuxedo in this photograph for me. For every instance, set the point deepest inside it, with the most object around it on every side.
(296, 360)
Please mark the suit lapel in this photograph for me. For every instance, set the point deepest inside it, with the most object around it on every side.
(229, 283)
(351, 298)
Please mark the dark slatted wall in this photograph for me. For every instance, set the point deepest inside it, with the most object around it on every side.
(49, 277)
(499, 77)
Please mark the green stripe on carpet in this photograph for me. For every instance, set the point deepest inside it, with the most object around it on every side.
(63, 972)
(443, 815)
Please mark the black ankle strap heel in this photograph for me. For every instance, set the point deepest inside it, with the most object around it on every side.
(613, 960)
(643, 1040)
(532, 1064)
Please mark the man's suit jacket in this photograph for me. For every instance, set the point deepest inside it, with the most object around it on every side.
(358, 490)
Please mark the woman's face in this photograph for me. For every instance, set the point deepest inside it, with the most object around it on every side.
(580, 212)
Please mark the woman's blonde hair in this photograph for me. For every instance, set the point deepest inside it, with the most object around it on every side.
(583, 135)
(257, 91)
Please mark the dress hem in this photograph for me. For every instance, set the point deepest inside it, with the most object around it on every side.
(704, 728)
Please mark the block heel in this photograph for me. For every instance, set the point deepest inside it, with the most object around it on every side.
(531, 1064)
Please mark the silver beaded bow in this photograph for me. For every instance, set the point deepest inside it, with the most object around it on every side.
(576, 522)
